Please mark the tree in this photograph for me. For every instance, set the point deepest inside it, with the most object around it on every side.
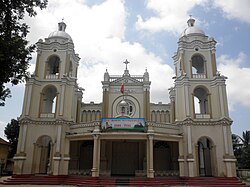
(246, 138)
(11, 132)
(237, 145)
(15, 53)
(241, 147)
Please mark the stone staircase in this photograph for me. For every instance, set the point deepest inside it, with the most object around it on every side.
(122, 181)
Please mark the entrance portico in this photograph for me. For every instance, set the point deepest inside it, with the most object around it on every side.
(124, 153)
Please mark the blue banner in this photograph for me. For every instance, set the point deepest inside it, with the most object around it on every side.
(123, 124)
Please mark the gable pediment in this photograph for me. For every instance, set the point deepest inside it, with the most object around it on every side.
(127, 80)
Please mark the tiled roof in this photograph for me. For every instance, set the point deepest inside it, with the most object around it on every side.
(3, 142)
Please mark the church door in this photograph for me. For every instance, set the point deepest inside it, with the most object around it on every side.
(86, 155)
(204, 155)
(124, 158)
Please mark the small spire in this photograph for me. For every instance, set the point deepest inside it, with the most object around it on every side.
(191, 21)
(146, 75)
(106, 75)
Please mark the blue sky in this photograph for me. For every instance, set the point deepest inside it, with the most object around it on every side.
(146, 32)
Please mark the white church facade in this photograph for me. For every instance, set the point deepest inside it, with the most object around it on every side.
(126, 134)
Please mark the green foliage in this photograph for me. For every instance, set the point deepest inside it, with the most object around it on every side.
(11, 132)
(15, 53)
(241, 147)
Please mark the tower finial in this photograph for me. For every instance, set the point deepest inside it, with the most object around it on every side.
(191, 21)
(62, 26)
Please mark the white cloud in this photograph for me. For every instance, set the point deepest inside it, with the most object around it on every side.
(170, 15)
(2, 127)
(92, 69)
(238, 79)
(235, 9)
(98, 35)
(90, 23)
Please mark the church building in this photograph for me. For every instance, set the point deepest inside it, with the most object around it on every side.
(126, 134)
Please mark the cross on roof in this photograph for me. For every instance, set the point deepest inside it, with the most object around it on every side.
(126, 62)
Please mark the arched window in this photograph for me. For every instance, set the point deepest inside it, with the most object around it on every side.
(70, 69)
(84, 116)
(153, 116)
(126, 108)
(201, 102)
(52, 68)
(49, 101)
(198, 66)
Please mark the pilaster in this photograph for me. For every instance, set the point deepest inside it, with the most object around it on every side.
(96, 153)
(150, 159)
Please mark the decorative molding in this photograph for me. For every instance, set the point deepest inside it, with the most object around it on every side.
(44, 121)
(84, 125)
(19, 158)
(163, 125)
(229, 160)
(66, 158)
(189, 121)
(56, 158)
(201, 44)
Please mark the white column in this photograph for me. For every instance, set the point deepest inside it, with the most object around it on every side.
(189, 136)
(221, 101)
(187, 107)
(225, 139)
(28, 97)
(24, 133)
(150, 159)
(58, 138)
(57, 155)
(96, 156)
(190, 156)
(62, 100)
(181, 159)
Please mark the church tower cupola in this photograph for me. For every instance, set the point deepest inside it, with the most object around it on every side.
(62, 26)
(192, 29)
(191, 22)
(60, 34)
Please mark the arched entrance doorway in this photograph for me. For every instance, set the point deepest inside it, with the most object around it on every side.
(162, 156)
(42, 157)
(125, 158)
(166, 158)
(86, 155)
(205, 156)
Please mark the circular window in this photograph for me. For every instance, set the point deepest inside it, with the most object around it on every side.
(125, 107)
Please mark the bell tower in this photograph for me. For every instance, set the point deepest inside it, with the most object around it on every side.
(52, 102)
(200, 106)
(54, 78)
(200, 88)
